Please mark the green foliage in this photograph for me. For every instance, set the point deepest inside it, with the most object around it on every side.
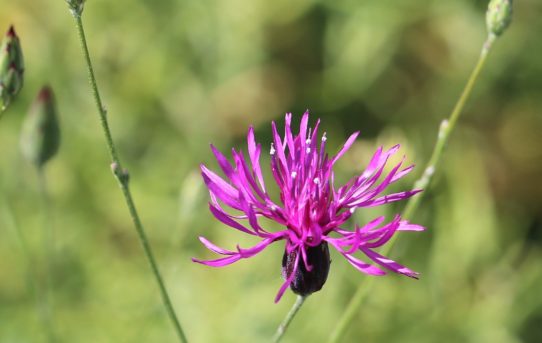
(177, 75)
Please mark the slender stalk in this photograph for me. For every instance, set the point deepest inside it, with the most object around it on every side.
(446, 128)
(289, 317)
(32, 280)
(47, 239)
(45, 204)
(122, 177)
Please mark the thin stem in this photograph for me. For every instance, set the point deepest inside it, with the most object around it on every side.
(32, 279)
(446, 128)
(47, 239)
(289, 317)
(122, 177)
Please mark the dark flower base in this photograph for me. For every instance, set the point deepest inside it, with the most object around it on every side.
(305, 282)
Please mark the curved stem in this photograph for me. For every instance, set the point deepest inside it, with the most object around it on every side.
(289, 317)
(446, 127)
(122, 177)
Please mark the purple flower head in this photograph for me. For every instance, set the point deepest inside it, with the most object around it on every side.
(311, 209)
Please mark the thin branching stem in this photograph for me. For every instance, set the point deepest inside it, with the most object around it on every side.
(288, 319)
(446, 128)
(122, 177)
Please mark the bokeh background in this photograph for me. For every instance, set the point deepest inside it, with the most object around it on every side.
(177, 75)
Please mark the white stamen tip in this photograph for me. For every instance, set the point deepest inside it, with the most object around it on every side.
(308, 141)
(272, 150)
(324, 138)
(351, 209)
(316, 180)
(294, 174)
(308, 150)
(273, 208)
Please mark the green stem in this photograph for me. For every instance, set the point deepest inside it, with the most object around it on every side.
(289, 317)
(48, 253)
(32, 279)
(446, 128)
(123, 180)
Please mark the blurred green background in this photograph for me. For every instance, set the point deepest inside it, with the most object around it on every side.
(177, 75)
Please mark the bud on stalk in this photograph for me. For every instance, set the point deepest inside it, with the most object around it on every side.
(498, 16)
(76, 7)
(11, 68)
(40, 137)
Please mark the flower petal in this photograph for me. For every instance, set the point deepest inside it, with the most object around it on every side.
(220, 262)
(388, 198)
(364, 267)
(222, 162)
(406, 226)
(233, 256)
(390, 264)
(254, 151)
(345, 147)
(228, 221)
(215, 248)
(220, 188)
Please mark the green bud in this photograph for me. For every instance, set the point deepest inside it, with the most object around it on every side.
(11, 68)
(40, 137)
(498, 16)
(76, 7)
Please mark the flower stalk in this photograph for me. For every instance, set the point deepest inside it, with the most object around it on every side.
(39, 294)
(48, 240)
(447, 126)
(288, 319)
(120, 173)
(498, 18)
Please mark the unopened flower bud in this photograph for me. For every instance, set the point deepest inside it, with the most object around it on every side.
(306, 282)
(498, 16)
(76, 7)
(40, 137)
(11, 68)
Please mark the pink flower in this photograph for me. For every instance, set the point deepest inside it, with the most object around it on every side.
(311, 209)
